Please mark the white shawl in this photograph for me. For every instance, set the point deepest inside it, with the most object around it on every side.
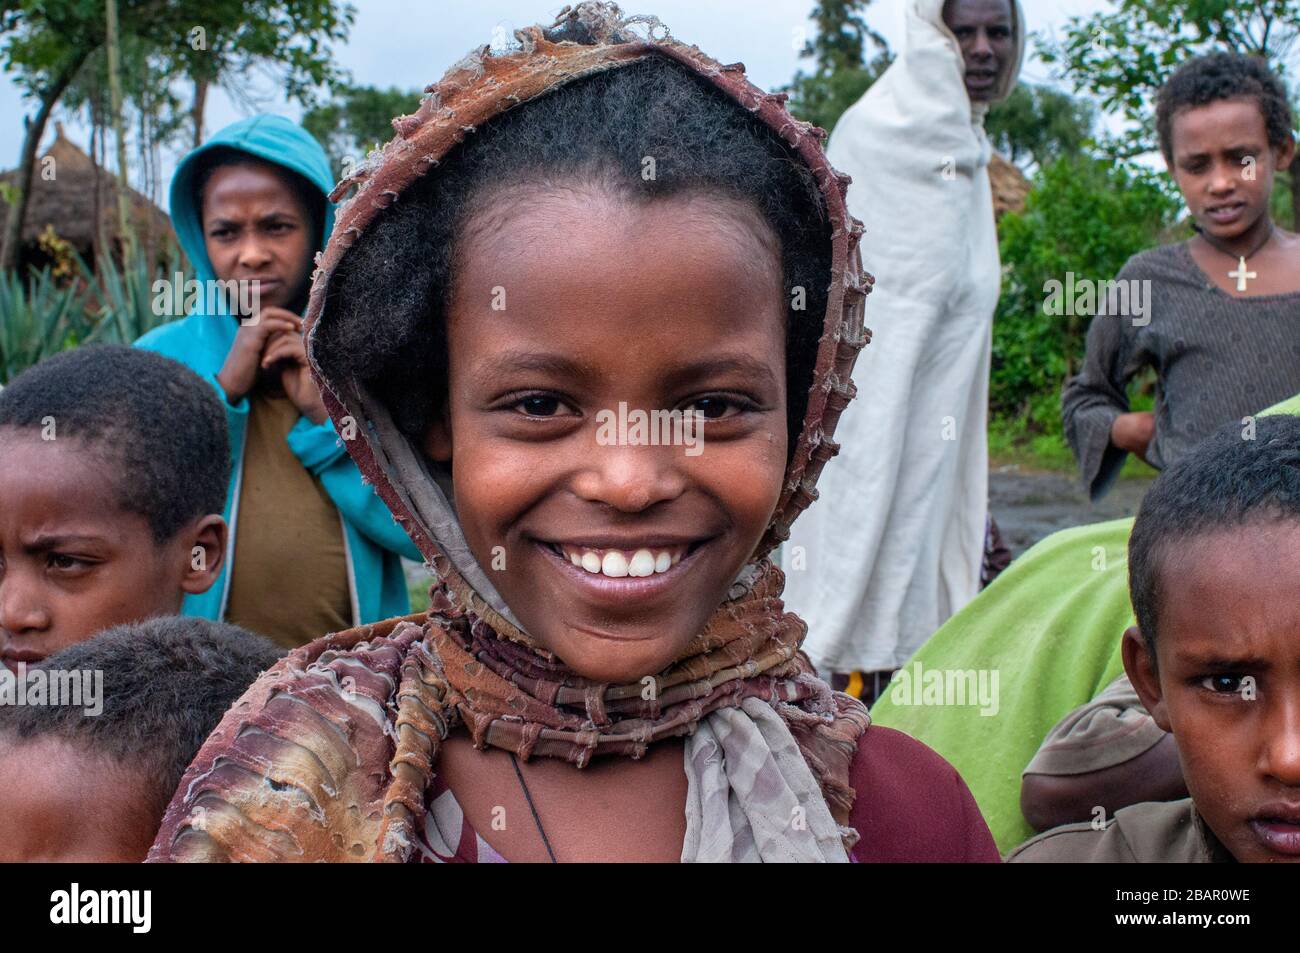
(895, 543)
(750, 796)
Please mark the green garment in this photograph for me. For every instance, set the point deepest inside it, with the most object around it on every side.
(1049, 628)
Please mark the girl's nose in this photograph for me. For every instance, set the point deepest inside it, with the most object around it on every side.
(631, 478)
(1282, 741)
(253, 255)
(1224, 178)
(21, 612)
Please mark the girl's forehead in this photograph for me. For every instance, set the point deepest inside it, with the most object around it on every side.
(577, 207)
(636, 274)
(1224, 123)
(248, 184)
(579, 240)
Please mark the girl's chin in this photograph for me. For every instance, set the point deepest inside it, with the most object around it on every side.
(618, 656)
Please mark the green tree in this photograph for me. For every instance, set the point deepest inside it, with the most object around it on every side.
(358, 119)
(1038, 124)
(46, 44)
(1123, 56)
(1085, 215)
(289, 40)
(113, 50)
(841, 71)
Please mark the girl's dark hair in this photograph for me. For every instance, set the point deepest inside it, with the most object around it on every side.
(1216, 76)
(1235, 477)
(388, 298)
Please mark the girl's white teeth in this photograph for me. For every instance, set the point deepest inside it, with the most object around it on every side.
(616, 564)
(642, 564)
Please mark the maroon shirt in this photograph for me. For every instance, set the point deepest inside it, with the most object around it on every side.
(912, 806)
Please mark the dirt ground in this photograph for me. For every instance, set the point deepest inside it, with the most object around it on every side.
(1029, 505)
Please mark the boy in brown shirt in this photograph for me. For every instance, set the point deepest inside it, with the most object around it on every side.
(1214, 567)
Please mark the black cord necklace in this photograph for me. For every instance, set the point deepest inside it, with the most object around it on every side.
(1241, 274)
(529, 798)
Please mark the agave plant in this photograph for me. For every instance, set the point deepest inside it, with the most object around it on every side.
(124, 297)
(38, 318)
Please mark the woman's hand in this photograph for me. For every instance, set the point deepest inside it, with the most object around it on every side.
(239, 373)
(289, 351)
(1134, 432)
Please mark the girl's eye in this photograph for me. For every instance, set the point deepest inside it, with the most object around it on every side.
(714, 408)
(1222, 684)
(539, 405)
(65, 563)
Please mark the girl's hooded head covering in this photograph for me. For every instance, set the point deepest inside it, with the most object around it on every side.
(592, 38)
(272, 139)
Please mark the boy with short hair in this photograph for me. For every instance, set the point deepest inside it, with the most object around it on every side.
(1214, 566)
(113, 468)
(86, 787)
(1223, 331)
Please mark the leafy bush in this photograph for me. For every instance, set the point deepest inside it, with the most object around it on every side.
(821, 98)
(45, 313)
(123, 298)
(1039, 123)
(1085, 215)
(38, 318)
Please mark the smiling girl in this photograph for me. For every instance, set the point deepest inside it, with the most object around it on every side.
(590, 220)
(1223, 333)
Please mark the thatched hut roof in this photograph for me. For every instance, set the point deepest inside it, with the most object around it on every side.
(68, 202)
(1010, 187)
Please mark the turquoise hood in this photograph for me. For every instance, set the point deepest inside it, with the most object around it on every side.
(272, 138)
(374, 542)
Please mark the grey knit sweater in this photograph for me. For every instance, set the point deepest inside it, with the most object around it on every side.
(1218, 359)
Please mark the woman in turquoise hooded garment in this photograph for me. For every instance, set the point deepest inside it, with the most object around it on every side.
(362, 559)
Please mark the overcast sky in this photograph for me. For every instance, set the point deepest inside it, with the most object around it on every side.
(409, 43)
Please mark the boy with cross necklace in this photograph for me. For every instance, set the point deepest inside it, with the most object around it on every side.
(1223, 333)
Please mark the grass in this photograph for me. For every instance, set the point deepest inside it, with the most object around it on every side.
(418, 581)
(1033, 439)
(1010, 446)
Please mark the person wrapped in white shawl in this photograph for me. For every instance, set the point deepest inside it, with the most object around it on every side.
(896, 543)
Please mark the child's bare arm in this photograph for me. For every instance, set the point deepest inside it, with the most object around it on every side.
(1134, 432)
(1107, 753)
(1049, 800)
